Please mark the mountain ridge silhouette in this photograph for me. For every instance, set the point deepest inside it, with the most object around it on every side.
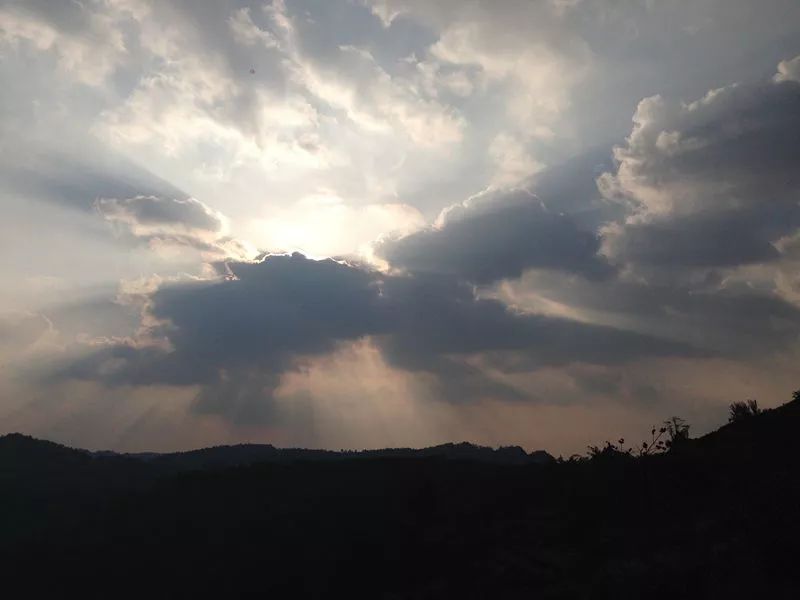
(231, 455)
(715, 516)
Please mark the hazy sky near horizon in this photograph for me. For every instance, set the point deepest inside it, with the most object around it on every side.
(370, 223)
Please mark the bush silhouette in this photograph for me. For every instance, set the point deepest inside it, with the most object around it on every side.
(739, 411)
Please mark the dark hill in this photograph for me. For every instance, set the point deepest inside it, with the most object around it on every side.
(715, 517)
(768, 433)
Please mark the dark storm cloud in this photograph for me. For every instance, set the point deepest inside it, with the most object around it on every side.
(271, 309)
(571, 187)
(436, 316)
(234, 337)
(705, 240)
(498, 235)
(255, 324)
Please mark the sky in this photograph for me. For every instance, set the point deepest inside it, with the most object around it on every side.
(381, 223)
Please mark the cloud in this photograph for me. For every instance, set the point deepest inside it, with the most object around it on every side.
(236, 336)
(721, 317)
(89, 53)
(349, 79)
(149, 215)
(789, 70)
(436, 318)
(76, 181)
(521, 46)
(704, 233)
(173, 221)
(196, 111)
(497, 235)
(706, 240)
(322, 125)
(709, 183)
(513, 162)
(571, 70)
(246, 32)
(194, 101)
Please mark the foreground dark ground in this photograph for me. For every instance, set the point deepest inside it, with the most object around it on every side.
(715, 517)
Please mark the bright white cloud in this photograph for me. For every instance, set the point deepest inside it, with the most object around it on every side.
(513, 163)
(538, 79)
(520, 48)
(789, 70)
(352, 81)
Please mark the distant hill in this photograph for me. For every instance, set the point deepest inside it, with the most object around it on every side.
(18, 451)
(713, 517)
(246, 454)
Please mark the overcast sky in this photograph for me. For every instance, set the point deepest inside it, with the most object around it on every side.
(371, 223)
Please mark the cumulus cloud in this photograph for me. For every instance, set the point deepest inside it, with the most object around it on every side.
(497, 235)
(712, 182)
(710, 200)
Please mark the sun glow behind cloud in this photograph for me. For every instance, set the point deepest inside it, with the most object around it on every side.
(323, 224)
